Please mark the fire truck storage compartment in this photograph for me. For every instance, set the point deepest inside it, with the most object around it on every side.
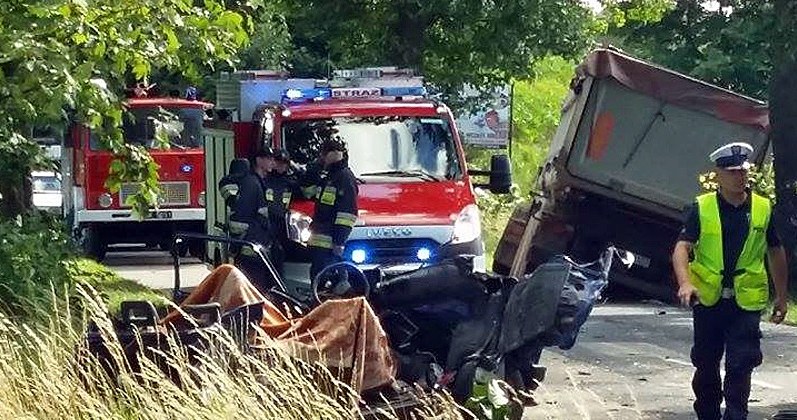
(243, 91)
(219, 152)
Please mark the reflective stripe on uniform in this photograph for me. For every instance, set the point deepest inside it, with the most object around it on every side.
(345, 219)
(269, 195)
(263, 211)
(320, 241)
(328, 195)
(286, 197)
(228, 190)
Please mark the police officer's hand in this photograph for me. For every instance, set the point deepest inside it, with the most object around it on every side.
(338, 250)
(779, 311)
(687, 294)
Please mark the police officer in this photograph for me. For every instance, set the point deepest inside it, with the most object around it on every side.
(730, 233)
(278, 188)
(335, 208)
(249, 219)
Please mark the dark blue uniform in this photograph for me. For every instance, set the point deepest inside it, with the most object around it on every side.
(334, 217)
(249, 221)
(278, 192)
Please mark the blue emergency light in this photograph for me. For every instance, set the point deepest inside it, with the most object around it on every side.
(358, 256)
(303, 95)
(404, 91)
(424, 254)
(320, 94)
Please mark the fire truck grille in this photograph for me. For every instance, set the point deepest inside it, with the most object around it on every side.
(172, 193)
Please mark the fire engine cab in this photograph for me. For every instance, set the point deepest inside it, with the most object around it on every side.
(416, 199)
(100, 218)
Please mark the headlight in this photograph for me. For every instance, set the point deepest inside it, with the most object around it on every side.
(468, 226)
(105, 200)
(298, 226)
(201, 199)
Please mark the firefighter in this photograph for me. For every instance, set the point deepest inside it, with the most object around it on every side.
(335, 207)
(230, 183)
(249, 219)
(731, 234)
(278, 189)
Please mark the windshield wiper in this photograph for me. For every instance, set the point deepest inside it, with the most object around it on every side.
(418, 173)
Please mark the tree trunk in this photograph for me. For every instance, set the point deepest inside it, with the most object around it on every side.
(410, 31)
(783, 123)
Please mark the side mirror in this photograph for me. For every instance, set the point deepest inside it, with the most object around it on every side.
(500, 174)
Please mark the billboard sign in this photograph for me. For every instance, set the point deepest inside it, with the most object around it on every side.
(489, 124)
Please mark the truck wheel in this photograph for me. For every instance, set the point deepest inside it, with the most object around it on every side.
(93, 244)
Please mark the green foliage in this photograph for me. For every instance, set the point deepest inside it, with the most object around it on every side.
(112, 288)
(63, 55)
(452, 43)
(494, 400)
(32, 249)
(535, 115)
(736, 46)
(762, 181)
(38, 264)
(270, 41)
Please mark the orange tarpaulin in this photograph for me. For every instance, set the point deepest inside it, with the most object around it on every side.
(345, 334)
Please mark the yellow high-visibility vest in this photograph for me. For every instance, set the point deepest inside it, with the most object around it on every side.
(750, 281)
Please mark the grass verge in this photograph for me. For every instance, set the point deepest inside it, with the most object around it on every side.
(47, 371)
(112, 288)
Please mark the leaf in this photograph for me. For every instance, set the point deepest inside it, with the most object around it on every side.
(140, 69)
(79, 38)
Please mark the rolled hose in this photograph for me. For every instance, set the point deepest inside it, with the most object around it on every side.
(359, 274)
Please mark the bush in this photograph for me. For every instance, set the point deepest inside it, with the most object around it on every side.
(38, 262)
(33, 249)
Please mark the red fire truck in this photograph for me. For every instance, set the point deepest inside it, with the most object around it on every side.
(100, 218)
(416, 200)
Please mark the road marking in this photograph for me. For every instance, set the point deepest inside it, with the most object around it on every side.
(758, 382)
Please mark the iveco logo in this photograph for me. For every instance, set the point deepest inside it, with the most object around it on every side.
(389, 232)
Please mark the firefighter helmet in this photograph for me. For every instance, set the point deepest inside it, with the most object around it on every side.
(333, 144)
(266, 151)
(282, 155)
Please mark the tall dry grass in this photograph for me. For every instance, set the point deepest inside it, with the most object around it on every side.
(45, 375)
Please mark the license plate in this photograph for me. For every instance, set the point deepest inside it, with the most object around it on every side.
(160, 214)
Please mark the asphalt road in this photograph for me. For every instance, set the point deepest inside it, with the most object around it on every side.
(631, 360)
(154, 268)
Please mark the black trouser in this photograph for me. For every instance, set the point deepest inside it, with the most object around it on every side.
(724, 327)
(321, 258)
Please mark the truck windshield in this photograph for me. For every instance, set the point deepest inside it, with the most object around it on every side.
(384, 146)
(182, 127)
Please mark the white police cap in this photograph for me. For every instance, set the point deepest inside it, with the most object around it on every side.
(732, 156)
